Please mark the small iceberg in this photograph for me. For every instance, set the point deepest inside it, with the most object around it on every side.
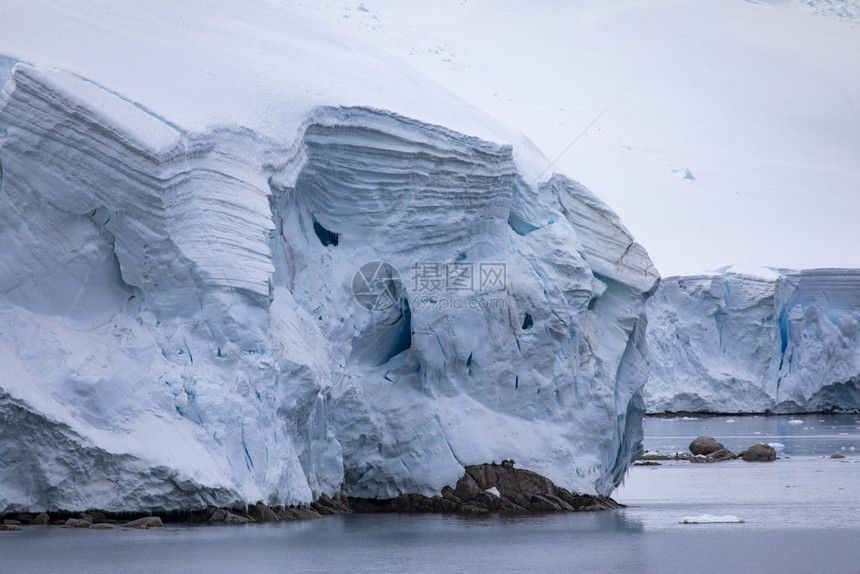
(711, 519)
(777, 446)
(795, 422)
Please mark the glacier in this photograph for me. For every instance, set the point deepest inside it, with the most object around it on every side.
(178, 326)
(781, 341)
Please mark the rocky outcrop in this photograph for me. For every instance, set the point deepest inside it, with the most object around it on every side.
(145, 522)
(261, 512)
(722, 454)
(705, 445)
(759, 453)
(488, 488)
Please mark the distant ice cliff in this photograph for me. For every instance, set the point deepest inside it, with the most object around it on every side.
(736, 343)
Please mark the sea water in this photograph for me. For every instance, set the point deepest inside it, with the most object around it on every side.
(800, 514)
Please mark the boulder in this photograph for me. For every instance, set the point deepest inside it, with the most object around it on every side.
(705, 445)
(326, 505)
(41, 518)
(467, 487)
(759, 453)
(12, 522)
(449, 494)
(96, 516)
(9, 527)
(293, 513)
(722, 454)
(226, 516)
(101, 526)
(145, 522)
(262, 513)
(77, 523)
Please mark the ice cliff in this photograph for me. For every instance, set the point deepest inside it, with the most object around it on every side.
(178, 325)
(733, 343)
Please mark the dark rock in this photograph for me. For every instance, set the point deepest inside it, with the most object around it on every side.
(77, 523)
(294, 513)
(543, 504)
(519, 491)
(467, 487)
(97, 516)
(12, 522)
(836, 456)
(225, 516)
(759, 453)
(442, 504)
(705, 445)
(9, 527)
(646, 463)
(449, 494)
(262, 513)
(41, 518)
(473, 509)
(25, 518)
(489, 501)
(653, 457)
(101, 526)
(722, 454)
(326, 505)
(145, 522)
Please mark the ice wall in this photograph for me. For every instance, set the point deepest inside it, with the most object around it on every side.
(734, 343)
(178, 325)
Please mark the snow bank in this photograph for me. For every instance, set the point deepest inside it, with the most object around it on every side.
(738, 343)
(177, 321)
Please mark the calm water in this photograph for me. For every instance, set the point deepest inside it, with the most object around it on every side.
(801, 513)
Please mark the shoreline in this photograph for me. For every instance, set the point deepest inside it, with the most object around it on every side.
(483, 489)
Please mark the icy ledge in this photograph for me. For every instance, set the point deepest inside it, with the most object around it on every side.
(742, 344)
(177, 325)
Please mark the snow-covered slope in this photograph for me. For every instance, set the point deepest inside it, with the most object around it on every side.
(724, 122)
(187, 195)
(739, 343)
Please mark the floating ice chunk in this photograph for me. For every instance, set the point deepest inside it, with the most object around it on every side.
(795, 422)
(777, 446)
(711, 519)
(493, 490)
(731, 421)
